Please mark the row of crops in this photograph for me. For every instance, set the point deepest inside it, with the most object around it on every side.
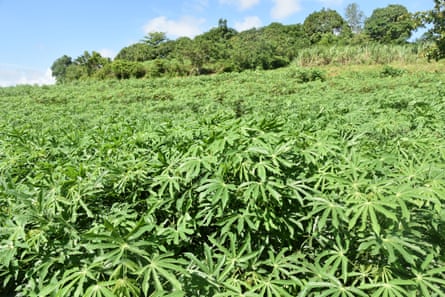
(251, 184)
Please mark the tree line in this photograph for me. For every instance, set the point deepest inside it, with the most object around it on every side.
(223, 49)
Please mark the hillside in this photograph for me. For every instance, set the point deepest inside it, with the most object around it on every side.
(321, 181)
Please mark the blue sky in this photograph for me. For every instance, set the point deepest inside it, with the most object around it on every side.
(34, 33)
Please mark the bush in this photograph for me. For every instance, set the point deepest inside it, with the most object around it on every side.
(389, 71)
(165, 67)
(105, 72)
(154, 68)
(126, 69)
(307, 75)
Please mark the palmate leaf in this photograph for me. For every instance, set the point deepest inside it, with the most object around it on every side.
(299, 190)
(217, 192)
(324, 280)
(207, 213)
(160, 273)
(237, 256)
(75, 281)
(392, 288)
(335, 259)
(327, 211)
(129, 174)
(181, 231)
(331, 290)
(367, 211)
(432, 197)
(262, 199)
(123, 249)
(7, 253)
(263, 192)
(271, 158)
(393, 246)
(49, 289)
(406, 195)
(283, 265)
(224, 264)
(263, 168)
(364, 274)
(80, 189)
(321, 146)
(209, 268)
(240, 165)
(166, 183)
(411, 170)
(121, 231)
(332, 287)
(272, 287)
(243, 221)
(99, 290)
(192, 166)
(127, 287)
(430, 281)
(237, 292)
(235, 287)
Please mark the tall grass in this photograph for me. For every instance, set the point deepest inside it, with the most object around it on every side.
(359, 55)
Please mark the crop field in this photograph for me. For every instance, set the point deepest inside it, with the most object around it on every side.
(292, 182)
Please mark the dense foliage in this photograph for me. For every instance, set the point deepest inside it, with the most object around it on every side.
(281, 183)
(325, 25)
(223, 49)
(436, 33)
(393, 24)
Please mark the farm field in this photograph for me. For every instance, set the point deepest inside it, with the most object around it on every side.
(291, 182)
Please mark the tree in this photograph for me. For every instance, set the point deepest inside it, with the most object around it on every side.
(354, 17)
(76, 72)
(215, 42)
(59, 68)
(325, 22)
(263, 48)
(202, 51)
(91, 62)
(182, 46)
(138, 52)
(193, 53)
(155, 38)
(436, 17)
(392, 24)
(223, 31)
(286, 40)
(250, 50)
(127, 69)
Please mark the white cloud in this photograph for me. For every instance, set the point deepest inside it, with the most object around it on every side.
(284, 8)
(185, 26)
(242, 4)
(248, 23)
(107, 53)
(331, 2)
(16, 75)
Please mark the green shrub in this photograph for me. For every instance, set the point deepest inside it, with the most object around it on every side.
(389, 71)
(126, 69)
(105, 72)
(307, 75)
